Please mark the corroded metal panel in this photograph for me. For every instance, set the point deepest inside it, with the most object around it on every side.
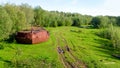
(33, 36)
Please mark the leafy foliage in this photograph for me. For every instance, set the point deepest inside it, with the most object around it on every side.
(113, 34)
(100, 22)
(5, 24)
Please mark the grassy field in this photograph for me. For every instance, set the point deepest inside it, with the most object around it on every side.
(87, 50)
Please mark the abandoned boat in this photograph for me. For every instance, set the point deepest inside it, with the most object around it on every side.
(32, 36)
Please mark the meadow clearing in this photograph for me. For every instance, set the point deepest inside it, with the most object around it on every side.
(86, 50)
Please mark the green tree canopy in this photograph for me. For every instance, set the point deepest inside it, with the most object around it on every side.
(5, 24)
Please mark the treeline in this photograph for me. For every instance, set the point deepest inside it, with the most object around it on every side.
(55, 18)
(105, 21)
(18, 17)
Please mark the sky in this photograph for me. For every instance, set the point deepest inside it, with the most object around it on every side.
(88, 7)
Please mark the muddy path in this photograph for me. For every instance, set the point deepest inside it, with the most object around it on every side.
(63, 50)
(62, 57)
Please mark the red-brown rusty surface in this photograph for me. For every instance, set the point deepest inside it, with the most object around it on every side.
(33, 36)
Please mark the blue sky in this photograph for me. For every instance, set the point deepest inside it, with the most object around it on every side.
(89, 7)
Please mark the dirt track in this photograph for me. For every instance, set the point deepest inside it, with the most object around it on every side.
(65, 49)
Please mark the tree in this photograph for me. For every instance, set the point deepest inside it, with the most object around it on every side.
(104, 22)
(13, 15)
(39, 16)
(5, 24)
(100, 22)
(118, 21)
(21, 21)
(17, 16)
(68, 21)
(87, 20)
(29, 13)
(76, 21)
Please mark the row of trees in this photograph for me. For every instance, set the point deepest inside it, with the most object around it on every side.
(55, 18)
(18, 17)
(104, 21)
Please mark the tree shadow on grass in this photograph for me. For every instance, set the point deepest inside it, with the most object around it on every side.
(105, 44)
(106, 48)
(6, 61)
(24, 44)
(11, 38)
(108, 54)
(87, 27)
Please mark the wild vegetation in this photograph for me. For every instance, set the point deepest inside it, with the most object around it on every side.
(94, 42)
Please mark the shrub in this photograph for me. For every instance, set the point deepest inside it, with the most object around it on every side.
(113, 34)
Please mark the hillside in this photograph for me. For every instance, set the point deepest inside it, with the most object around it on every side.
(86, 50)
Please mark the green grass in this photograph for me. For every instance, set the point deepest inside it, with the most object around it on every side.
(84, 43)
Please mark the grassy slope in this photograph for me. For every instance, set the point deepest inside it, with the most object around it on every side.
(84, 43)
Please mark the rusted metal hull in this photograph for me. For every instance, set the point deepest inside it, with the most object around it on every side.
(40, 37)
(32, 37)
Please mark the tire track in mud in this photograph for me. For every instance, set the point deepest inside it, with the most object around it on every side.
(67, 64)
(62, 57)
(78, 63)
